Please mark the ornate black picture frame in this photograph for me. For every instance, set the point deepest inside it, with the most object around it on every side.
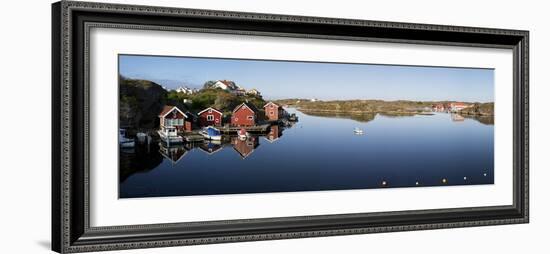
(71, 231)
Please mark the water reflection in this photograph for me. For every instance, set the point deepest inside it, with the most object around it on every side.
(275, 132)
(487, 120)
(422, 150)
(367, 117)
(141, 159)
(360, 117)
(457, 117)
(138, 160)
(211, 147)
(173, 153)
(245, 147)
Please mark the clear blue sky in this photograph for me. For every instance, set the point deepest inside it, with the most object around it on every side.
(326, 81)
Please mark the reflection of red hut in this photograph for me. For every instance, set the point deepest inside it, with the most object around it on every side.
(273, 111)
(245, 147)
(244, 115)
(274, 133)
(210, 117)
(173, 116)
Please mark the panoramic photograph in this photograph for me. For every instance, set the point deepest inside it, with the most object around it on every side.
(210, 126)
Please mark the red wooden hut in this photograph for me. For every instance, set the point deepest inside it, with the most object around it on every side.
(273, 111)
(210, 117)
(173, 116)
(244, 115)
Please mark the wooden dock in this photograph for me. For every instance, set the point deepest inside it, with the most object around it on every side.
(254, 128)
(193, 137)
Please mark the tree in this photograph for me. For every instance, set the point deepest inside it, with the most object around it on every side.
(224, 101)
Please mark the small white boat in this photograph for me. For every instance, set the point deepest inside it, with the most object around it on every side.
(123, 141)
(358, 131)
(169, 135)
(243, 134)
(211, 133)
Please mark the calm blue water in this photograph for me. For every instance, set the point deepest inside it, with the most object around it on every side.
(319, 153)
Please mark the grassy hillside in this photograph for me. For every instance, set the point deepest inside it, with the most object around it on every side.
(217, 98)
(360, 106)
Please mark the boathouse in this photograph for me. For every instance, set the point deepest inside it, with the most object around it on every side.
(273, 111)
(210, 117)
(173, 116)
(244, 115)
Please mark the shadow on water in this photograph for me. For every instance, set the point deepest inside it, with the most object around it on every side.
(139, 159)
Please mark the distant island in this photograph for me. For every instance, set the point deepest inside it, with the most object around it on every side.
(390, 108)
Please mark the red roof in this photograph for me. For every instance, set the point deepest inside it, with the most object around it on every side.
(204, 110)
(250, 106)
(272, 103)
(167, 109)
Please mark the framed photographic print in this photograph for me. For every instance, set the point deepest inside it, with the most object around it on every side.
(181, 126)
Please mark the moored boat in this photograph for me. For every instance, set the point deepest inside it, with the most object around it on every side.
(211, 133)
(358, 131)
(169, 135)
(124, 141)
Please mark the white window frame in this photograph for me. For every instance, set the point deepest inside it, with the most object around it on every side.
(209, 118)
(250, 117)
